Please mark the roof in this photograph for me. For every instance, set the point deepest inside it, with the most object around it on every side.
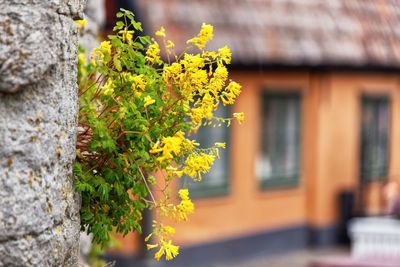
(287, 32)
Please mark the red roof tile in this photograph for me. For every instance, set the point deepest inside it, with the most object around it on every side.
(288, 32)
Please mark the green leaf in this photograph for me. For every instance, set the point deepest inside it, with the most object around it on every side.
(137, 26)
(144, 39)
(87, 216)
(104, 190)
(77, 169)
(117, 63)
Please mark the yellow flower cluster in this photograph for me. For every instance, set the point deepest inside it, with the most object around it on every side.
(172, 72)
(221, 145)
(205, 35)
(167, 248)
(127, 36)
(108, 87)
(204, 110)
(169, 46)
(169, 147)
(168, 43)
(171, 100)
(148, 101)
(195, 165)
(231, 92)
(225, 54)
(239, 116)
(161, 32)
(163, 233)
(82, 58)
(82, 62)
(153, 53)
(80, 24)
(138, 82)
(185, 207)
(165, 245)
(102, 53)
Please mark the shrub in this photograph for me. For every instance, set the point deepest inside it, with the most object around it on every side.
(137, 113)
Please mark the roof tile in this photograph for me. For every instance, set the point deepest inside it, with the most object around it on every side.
(309, 32)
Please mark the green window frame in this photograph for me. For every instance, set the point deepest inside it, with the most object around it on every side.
(216, 182)
(279, 162)
(374, 147)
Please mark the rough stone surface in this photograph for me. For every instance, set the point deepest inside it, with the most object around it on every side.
(39, 210)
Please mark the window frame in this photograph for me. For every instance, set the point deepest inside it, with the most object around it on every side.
(288, 181)
(388, 100)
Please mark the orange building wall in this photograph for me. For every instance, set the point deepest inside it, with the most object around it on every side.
(248, 209)
(331, 104)
(338, 145)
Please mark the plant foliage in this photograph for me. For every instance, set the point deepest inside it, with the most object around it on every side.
(137, 113)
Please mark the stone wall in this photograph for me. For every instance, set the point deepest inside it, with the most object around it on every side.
(39, 211)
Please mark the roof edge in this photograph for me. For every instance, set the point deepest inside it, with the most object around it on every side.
(322, 67)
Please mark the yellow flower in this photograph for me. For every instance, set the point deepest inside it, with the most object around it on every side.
(138, 82)
(105, 46)
(198, 79)
(221, 73)
(218, 80)
(102, 53)
(189, 145)
(192, 62)
(148, 101)
(82, 58)
(80, 24)
(230, 93)
(210, 54)
(222, 145)
(161, 32)
(108, 87)
(170, 44)
(185, 207)
(159, 253)
(82, 62)
(150, 246)
(170, 251)
(172, 146)
(127, 37)
(172, 72)
(156, 148)
(183, 193)
(225, 54)
(153, 53)
(205, 35)
(169, 230)
(239, 116)
(195, 165)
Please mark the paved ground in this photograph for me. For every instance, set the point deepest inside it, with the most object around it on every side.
(293, 259)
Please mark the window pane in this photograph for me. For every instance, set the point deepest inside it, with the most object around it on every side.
(374, 143)
(215, 182)
(280, 135)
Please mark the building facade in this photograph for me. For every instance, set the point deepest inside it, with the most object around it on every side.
(321, 96)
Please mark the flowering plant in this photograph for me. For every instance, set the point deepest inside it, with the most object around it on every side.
(137, 113)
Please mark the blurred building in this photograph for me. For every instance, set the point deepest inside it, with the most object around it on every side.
(321, 96)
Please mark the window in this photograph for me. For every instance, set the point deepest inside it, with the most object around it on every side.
(374, 138)
(280, 140)
(215, 182)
